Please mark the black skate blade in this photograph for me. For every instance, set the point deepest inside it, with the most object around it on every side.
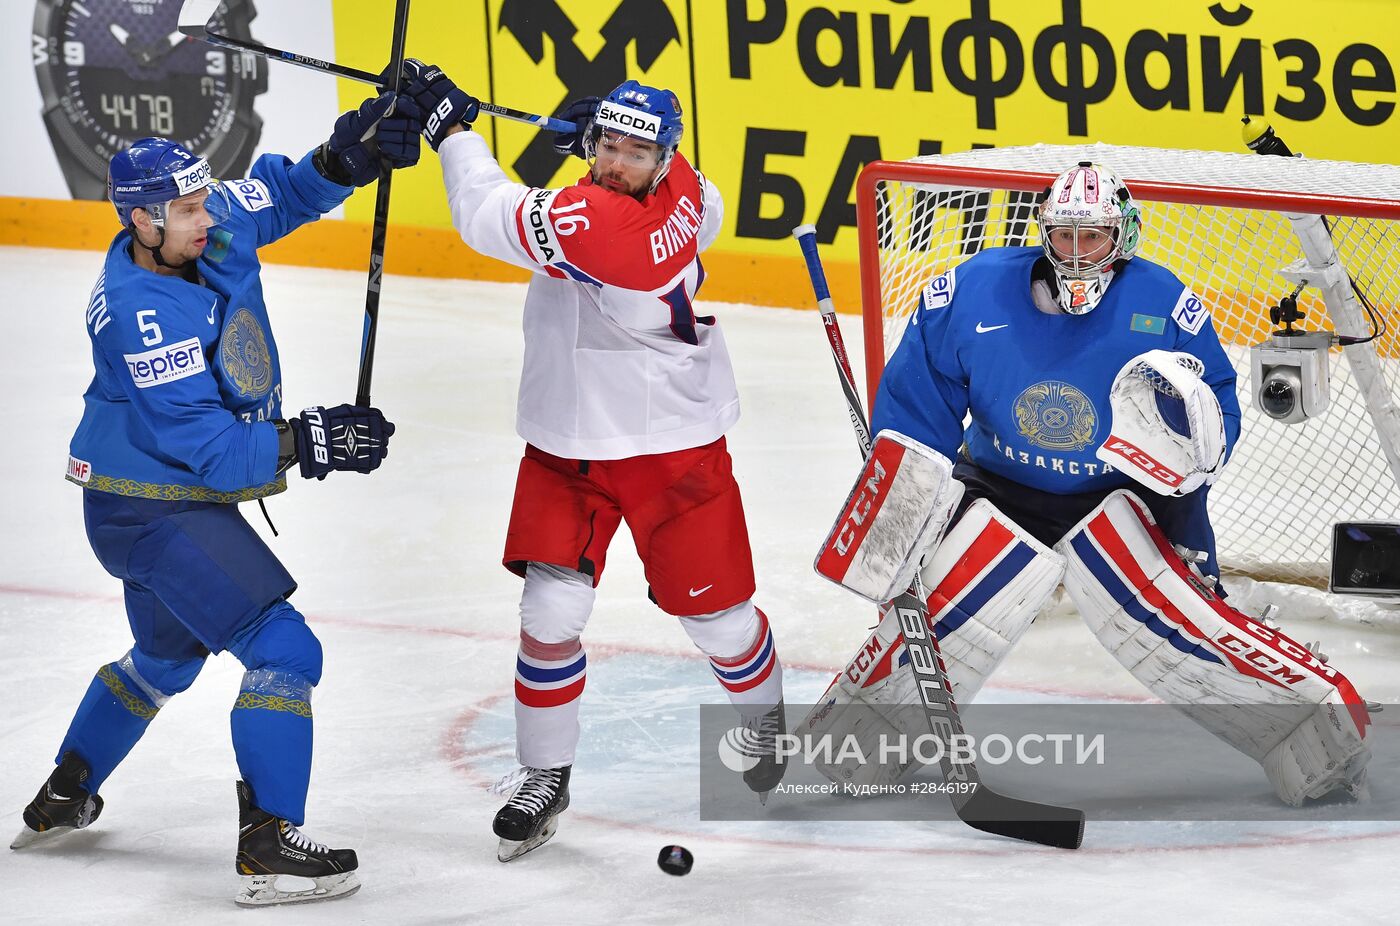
(262, 890)
(510, 849)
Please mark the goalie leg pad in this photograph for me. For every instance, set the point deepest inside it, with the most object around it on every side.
(1246, 682)
(988, 580)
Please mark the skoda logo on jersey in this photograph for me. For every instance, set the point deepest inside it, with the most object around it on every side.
(246, 359)
(1056, 416)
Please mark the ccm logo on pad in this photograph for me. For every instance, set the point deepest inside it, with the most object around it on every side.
(1142, 461)
(165, 364)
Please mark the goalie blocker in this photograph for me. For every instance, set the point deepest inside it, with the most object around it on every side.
(898, 508)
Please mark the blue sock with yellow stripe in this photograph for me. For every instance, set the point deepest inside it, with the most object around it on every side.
(113, 715)
(271, 723)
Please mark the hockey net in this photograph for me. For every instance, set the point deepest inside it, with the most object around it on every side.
(1220, 222)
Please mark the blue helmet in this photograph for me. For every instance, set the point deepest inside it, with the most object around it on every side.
(154, 171)
(639, 111)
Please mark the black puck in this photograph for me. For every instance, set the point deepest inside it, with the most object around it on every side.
(675, 860)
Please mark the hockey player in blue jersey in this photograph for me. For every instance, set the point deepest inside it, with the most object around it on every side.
(1099, 408)
(183, 421)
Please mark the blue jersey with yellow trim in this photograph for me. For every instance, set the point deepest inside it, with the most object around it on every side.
(187, 379)
(1037, 385)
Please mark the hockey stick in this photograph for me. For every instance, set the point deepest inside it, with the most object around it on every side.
(381, 223)
(979, 806)
(194, 22)
(806, 236)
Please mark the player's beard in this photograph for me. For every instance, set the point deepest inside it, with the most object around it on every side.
(616, 182)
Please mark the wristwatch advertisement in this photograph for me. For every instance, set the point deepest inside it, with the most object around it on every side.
(113, 71)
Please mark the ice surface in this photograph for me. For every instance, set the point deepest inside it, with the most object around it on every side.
(400, 577)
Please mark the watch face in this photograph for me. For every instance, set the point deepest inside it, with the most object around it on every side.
(114, 71)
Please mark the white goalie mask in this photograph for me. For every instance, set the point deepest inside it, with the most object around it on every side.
(1088, 223)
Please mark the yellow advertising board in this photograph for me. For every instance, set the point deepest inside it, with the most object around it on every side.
(788, 99)
(813, 91)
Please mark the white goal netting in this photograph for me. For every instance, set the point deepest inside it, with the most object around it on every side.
(1221, 223)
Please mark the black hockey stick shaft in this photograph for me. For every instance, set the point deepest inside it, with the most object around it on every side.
(194, 22)
(977, 805)
(381, 223)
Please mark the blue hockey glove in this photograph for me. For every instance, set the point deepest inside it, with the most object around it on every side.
(360, 137)
(580, 113)
(441, 103)
(347, 437)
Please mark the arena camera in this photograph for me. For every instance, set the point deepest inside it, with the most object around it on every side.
(1289, 369)
(1290, 375)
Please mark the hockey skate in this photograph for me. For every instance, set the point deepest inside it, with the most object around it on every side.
(270, 848)
(531, 816)
(762, 743)
(61, 806)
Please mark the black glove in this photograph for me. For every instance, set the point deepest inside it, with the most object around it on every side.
(580, 113)
(442, 105)
(385, 126)
(347, 437)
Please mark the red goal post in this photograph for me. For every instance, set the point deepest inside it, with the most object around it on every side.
(1239, 229)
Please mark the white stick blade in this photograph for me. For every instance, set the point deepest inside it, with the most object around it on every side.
(195, 16)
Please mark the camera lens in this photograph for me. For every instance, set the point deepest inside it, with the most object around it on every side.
(1279, 396)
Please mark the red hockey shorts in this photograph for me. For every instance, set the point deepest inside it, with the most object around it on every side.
(683, 509)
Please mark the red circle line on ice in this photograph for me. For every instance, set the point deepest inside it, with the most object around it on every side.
(452, 750)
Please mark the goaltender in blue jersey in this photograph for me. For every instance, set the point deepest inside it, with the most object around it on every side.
(183, 420)
(1037, 384)
(1099, 409)
(1032, 357)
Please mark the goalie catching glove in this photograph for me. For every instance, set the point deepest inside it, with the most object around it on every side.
(1168, 432)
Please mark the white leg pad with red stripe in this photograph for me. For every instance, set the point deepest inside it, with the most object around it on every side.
(1249, 684)
(987, 581)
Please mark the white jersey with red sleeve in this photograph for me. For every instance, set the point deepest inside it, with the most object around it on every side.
(617, 364)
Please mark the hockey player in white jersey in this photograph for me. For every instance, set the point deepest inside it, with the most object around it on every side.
(624, 401)
(1089, 375)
